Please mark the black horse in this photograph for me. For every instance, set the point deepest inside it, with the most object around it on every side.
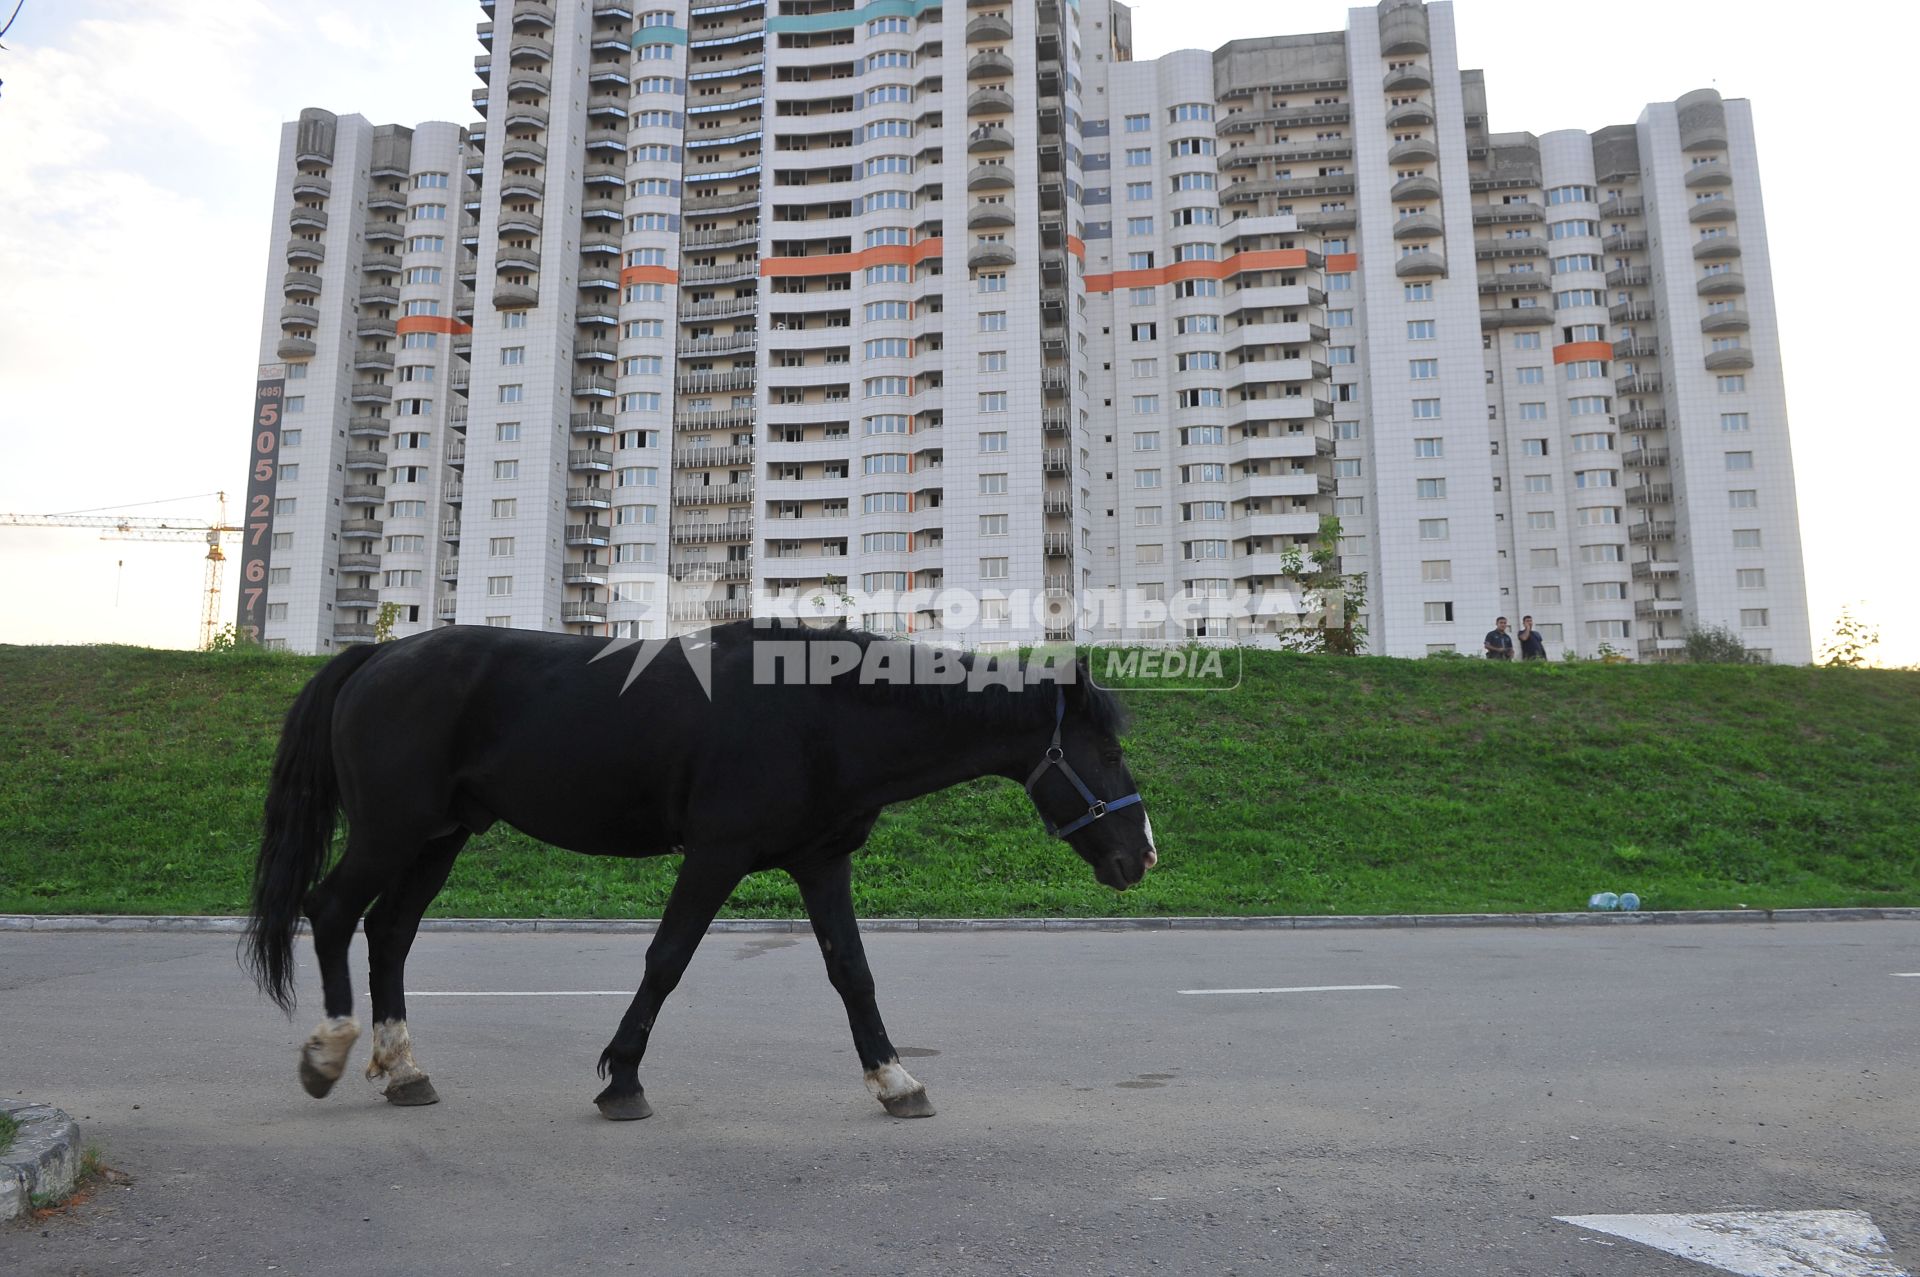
(805, 735)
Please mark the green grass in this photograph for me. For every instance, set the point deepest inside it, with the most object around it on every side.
(8, 1129)
(131, 781)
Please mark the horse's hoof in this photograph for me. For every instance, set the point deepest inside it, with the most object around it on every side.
(912, 1104)
(313, 1081)
(623, 1108)
(410, 1094)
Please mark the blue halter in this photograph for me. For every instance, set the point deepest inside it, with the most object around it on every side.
(1056, 757)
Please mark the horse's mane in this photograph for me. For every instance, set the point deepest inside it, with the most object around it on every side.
(992, 703)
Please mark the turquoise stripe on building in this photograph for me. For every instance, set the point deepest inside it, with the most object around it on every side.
(659, 35)
(847, 19)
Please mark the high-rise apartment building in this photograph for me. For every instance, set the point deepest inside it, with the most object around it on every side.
(958, 320)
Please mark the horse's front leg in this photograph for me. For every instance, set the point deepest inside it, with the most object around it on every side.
(827, 889)
(705, 882)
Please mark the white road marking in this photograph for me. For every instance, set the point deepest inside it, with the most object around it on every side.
(521, 993)
(1760, 1243)
(1303, 988)
(1908, 975)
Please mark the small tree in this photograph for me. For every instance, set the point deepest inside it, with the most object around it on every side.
(1853, 637)
(1332, 598)
(384, 621)
(1717, 645)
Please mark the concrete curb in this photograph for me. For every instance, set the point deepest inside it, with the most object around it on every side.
(44, 1157)
(786, 926)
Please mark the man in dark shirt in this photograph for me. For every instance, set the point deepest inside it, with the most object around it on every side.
(1499, 643)
(1532, 646)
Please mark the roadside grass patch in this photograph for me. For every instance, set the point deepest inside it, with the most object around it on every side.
(131, 781)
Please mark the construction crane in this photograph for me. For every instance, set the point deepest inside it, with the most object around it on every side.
(121, 527)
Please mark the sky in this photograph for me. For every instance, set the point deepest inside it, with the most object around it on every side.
(137, 149)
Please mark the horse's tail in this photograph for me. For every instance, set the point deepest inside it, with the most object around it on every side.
(302, 799)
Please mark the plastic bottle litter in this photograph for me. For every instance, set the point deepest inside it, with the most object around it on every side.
(1601, 900)
(1629, 902)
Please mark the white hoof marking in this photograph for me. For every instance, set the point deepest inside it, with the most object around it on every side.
(891, 1082)
(392, 1057)
(326, 1048)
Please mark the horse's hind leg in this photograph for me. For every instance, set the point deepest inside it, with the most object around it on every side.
(334, 908)
(391, 926)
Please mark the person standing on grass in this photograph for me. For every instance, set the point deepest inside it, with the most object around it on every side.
(1499, 643)
(1532, 646)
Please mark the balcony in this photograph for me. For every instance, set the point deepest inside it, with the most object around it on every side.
(1628, 277)
(1418, 226)
(989, 102)
(601, 352)
(989, 215)
(381, 263)
(606, 316)
(305, 250)
(1658, 609)
(992, 253)
(515, 297)
(989, 65)
(583, 613)
(1655, 569)
(1645, 383)
(1723, 284)
(300, 283)
(356, 597)
(1516, 281)
(385, 231)
(450, 531)
(1644, 458)
(386, 202)
(712, 493)
(1717, 249)
(368, 427)
(590, 423)
(511, 257)
(1414, 150)
(1505, 214)
(1418, 187)
(1702, 176)
(1625, 242)
(738, 454)
(1650, 494)
(1652, 419)
(296, 348)
(711, 533)
(523, 150)
(367, 357)
(989, 138)
(361, 529)
(589, 534)
(1636, 348)
(1057, 545)
(371, 392)
(372, 294)
(711, 570)
(533, 84)
(700, 382)
(1408, 77)
(592, 384)
(1516, 317)
(602, 210)
(359, 561)
(1631, 313)
(354, 631)
(1705, 212)
(1724, 321)
(1731, 360)
(589, 498)
(302, 218)
(310, 186)
(989, 27)
(584, 573)
(1625, 206)
(1410, 113)
(987, 177)
(366, 459)
(1417, 265)
(722, 343)
(1056, 461)
(1647, 533)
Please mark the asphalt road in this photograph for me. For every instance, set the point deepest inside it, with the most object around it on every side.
(1092, 1118)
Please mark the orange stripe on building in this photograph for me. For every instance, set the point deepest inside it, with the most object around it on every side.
(1340, 263)
(1582, 350)
(847, 263)
(1077, 248)
(649, 275)
(430, 324)
(1259, 259)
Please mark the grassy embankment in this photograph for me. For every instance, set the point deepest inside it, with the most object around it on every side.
(131, 781)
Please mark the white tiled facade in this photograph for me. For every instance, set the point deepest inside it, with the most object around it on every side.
(906, 303)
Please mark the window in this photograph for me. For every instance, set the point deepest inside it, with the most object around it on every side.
(1735, 421)
(512, 393)
(1604, 591)
(1147, 516)
(427, 213)
(1526, 341)
(1341, 319)
(1429, 447)
(1419, 330)
(1593, 443)
(993, 485)
(423, 274)
(1139, 156)
(289, 474)
(993, 525)
(1139, 123)
(640, 401)
(1603, 554)
(1433, 529)
(1595, 479)
(1542, 559)
(1537, 483)
(1746, 538)
(1596, 515)
(290, 438)
(992, 321)
(1530, 376)
(1753, 618)
(1346, 468)
(1436, 570)
(1732, 385)
(1743, 499)
(1545, 595)
(1430, 489)
(1417, 292)
(1146, 441)
(499, 547)
(1750, 579)
(1139, 190)
(418, 341)
(296, 403)
(1439, 613)
(499, 587)
(1609, 629)
(993, 441)
(1146, 405)
(993, 569)
(1540, 520)
(1146, 478)
(1139, 226)
(505, 507)
(1423, 369)
(1739, 461)
(1426, 409)
(993, 401)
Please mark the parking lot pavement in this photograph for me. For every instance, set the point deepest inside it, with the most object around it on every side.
(1370, 1102)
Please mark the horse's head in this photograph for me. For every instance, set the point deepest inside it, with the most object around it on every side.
(1084, 792)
